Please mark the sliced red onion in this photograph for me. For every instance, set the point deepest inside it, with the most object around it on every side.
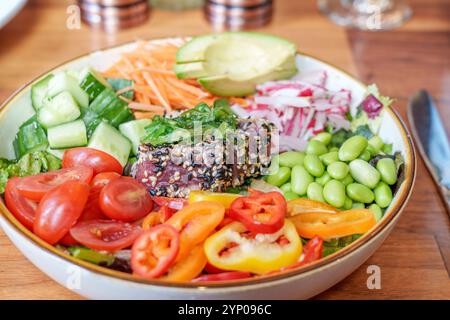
(291, 143)
(338, 121)
(372, 106)
(300, 102)
(315, 77)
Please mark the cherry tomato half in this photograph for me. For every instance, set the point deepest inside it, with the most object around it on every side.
(125, 199)
(68, 240)
(105, 235)
(154, 251)
(92, 209)
(224, 276)
(59, 209)
(260, 212)
(22, 208)
(35, 187)
(102, 179)
(98, 160)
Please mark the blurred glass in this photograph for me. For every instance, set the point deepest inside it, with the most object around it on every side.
(366, 14)
(176, 4)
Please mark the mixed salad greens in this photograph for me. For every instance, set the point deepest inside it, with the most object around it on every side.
(107, 149)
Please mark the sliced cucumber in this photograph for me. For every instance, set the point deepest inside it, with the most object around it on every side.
(103, 100)
(30, 137)
(65, 82)
(58, 153)
(39, 92)
(61, 109)
(67, 135)
(91, 120)
(117, 113)
(108, 139)
(93, 83)
(111, 108)
(119, 84)
(134, 131)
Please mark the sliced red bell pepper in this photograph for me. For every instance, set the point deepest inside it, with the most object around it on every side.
(260, 212)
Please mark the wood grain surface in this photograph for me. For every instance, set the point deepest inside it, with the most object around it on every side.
(414, 260)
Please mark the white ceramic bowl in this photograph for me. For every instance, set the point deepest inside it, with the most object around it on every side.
(95, 282)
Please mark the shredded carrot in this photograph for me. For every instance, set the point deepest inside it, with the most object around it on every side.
(145, 107)
(146, 115)
(155, 84)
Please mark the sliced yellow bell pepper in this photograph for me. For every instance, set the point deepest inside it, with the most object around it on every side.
(223, 198)
(232, 249)
(333, 225)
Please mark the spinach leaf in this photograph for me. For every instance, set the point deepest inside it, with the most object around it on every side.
(165, 130)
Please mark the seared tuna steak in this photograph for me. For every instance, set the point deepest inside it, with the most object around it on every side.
(212, 164)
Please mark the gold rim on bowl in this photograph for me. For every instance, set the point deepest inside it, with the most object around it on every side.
(394, 210)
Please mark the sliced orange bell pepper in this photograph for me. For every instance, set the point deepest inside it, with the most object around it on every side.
(195, 223)
(156, 217)
(333, 225)
(303, 205)
(223, 198)
(189, 267)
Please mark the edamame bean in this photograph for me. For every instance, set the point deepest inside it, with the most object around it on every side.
(334, 193)
(286, 187)
(360, 193)
(280, 177)
(365, 155)
(274, 165)
(371, 150)
(358, 205)
(290, 195)
(313, 165)
(315, 192)
(347, 204)
(388, 170)
(323, 137)
(291, 158)
(347, 180)
(352, 148)
(323, 179)
(364, 173)
(300, 179)
(376, 143)
(383, 194)
(333, 149)
(316, 147)
(377, 212)
(338, 170)
(329, 157)
(387, 148)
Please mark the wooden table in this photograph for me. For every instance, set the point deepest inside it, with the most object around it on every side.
(414, 260)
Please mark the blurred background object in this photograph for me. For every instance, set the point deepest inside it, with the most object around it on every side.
(176, 5)
(367, 14)
(238, 14)
(112, 15)
(8, 9)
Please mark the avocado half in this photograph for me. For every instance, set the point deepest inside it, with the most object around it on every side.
(233, 63)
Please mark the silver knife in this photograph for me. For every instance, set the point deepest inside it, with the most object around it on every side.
(431, 140)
